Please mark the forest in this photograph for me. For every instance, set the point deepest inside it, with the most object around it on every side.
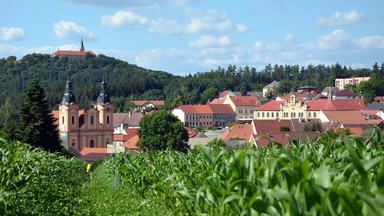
(126, 82)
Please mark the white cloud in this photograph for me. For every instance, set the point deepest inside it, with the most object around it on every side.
(242, 28)
(194, 21)
(8, 34)
(290, 39)
(166, 27)
(337, 39)
(338, 19)
(71, 31)
(211, 41)
(124, 19)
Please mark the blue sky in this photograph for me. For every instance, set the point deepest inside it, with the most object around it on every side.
(189, 36)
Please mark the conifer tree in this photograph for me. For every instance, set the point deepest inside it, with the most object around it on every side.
(36, 124)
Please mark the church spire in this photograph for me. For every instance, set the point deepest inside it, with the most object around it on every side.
(103, 96)
(82, 48)
(69, 97)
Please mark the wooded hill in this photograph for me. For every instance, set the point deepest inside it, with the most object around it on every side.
(127, 82)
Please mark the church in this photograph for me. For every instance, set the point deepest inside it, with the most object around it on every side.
(72, 54)
(92, 127)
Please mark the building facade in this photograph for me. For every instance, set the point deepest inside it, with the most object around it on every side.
(86, 128)
(341, 82)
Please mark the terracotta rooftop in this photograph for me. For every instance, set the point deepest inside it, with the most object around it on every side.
(346, 93)
(281, 137)
(224, 93)
(242, 131)
(270, 126)
(92, 157)
(245, 100)
(354, 130)
(87, 150)
(314, 105)
(271, 105)
(72, 53)
(288, 98)
(203, 109)
(154, 102)
(351, 117)
(119, 118)
(221, 108)
(134, 120)
(191, 133)
(131, 143)
(188, 109)
(217, 101)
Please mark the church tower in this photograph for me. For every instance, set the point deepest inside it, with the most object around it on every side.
(105, 107)
(68, 114)
(82, 48)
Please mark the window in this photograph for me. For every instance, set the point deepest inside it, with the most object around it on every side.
(62, 120)
(262, 114)
(267, 114)
(107, 119)
(92, 120)
(272, 115)
(309, 114)
(91, 143)
(314, 115)
(73, 119)
(258, 114)
(277, 115)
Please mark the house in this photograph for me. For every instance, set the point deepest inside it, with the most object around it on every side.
(73, 55)
(239, 132)
(329, 91)
(205, 115)
(243, 107)
(222, 114)
(262, 140)
(341, 82)
(379, 99)
(143, 105)
(302, 110)
(187, 114)
(345, 95)
(228, 93)
(303, 89)
(375, 106)
(351, 118)
(272, 87)
(91, 128)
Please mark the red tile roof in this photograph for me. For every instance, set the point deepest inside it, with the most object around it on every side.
(242, 131)
(203, 109)
(221, 109)
(72, 53)
(245, 100)
(346, 93)
(352, 117)
(288, 98)
(271, 105)
(217, 101)
(263, 140)
(188, 109)
(224, 93)
(271, 126)
(131, 143)
(87, 150)
(154, 102)
(354, 130)
(314, 105)
(191, 133)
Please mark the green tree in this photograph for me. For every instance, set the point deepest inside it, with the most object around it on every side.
(284, 86)
(368, 91)
(161, 131)
(209, 94)
(8, 119)
(36, 124)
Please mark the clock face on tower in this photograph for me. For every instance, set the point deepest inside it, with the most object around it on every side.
(108, 110)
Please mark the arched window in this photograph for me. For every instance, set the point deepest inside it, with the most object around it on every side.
(62, 119)
(107, 119)
(272, 115)
(267, 114)
(73, 119)
(91, 143)
(92, 120)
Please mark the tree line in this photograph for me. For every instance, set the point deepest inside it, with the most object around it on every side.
(127, 82)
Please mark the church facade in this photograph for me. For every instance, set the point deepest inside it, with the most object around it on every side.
(92, 127)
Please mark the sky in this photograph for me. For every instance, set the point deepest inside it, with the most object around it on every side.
(189, 36)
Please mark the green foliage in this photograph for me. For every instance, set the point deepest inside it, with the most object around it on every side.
(316, 126)
(160, 131)
(209, 94)
(324, 177)
(8, 119)
(37, 124)
(285, 128)
(236, 138)
(35, 182)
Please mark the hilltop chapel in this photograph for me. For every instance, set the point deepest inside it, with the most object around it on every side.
(92, 127)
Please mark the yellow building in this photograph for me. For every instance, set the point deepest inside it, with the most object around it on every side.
(294, 109)
(243, 106)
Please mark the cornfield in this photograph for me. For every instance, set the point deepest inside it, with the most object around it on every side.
(343, 176)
